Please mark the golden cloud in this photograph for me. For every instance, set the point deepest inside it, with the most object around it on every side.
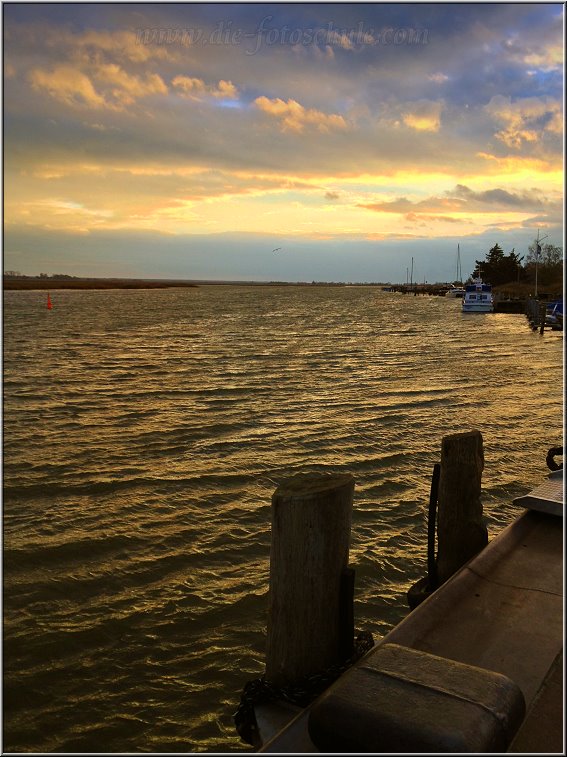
(128, 88)
(546, 60)
(424, 115)
(339, 40)
(526, 119)
(294, 117)
(439, 219)
(116, 88)
(546, 57)
(196, 89)
(522, 169)
(68, 85)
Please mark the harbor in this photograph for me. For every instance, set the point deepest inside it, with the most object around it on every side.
(505, 300)
(476, 666)
(282, 359)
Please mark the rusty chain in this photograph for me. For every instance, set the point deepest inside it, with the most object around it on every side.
(302, 693)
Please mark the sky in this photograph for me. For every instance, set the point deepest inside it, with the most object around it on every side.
(364, 140)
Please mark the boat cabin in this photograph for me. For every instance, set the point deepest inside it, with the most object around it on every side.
(478, 297)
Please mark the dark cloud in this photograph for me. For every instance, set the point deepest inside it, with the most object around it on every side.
(462, 198)
(499, 197)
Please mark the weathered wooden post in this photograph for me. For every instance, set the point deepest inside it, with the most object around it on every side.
(311, 520)
(542, 313)
(460, 530)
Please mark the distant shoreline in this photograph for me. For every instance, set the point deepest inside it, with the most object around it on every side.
(30, 283)
(37, 283)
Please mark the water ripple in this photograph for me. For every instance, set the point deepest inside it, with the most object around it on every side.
(144, 435)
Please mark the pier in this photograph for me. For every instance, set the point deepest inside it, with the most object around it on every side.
(506, 300)
(477, 666)
(538, 316)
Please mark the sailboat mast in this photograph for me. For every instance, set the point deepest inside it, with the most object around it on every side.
(459, 273)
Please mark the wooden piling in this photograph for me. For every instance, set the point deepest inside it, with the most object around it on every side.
(309, 579)
(542, 313)
(460, 530)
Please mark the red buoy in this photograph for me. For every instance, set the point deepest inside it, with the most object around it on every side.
(49, 305)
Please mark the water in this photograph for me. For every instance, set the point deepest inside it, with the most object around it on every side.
(145, 432)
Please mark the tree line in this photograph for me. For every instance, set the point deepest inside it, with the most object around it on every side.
(499, 268)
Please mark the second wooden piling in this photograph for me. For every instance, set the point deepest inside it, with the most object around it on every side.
(461, 532)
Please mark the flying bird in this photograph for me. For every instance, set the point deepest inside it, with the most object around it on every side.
(277, 248)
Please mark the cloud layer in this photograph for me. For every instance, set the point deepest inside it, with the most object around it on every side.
(318, 121)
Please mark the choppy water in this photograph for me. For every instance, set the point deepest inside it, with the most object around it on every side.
(144, 434)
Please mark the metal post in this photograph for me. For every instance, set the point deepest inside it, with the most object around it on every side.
(538, 251)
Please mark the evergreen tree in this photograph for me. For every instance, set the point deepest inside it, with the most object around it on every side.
(498, 268)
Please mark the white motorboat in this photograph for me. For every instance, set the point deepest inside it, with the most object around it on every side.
(478, 297)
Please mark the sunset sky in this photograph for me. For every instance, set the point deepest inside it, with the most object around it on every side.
(190, 141)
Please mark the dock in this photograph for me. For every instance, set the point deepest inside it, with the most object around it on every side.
(504, 301)
(509, 306)
(487, 645)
